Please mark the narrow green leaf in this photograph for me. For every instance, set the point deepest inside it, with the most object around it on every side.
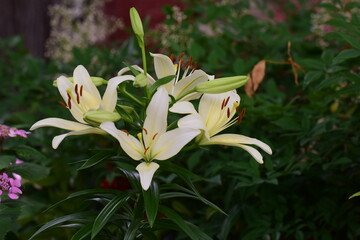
(133, 70)
(83, 232)
(97, 158)
(354, 195)
(133, 178)
(191, 230)
(170, 167)
(228, 223)
(108, 211)
(151, 200)
(57, 221)
(29, 171)
(201, 198)
(84, 193)
(159, 83)
(132, 230)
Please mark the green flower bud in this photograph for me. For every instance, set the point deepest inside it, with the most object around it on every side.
(98, 81)
(137, 26)
(221, 85)
(96, 117)
(140, 80)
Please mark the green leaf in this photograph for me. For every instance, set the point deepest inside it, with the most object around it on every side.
(191, 230)
(133, 70)
(127, 117)
(151, 201)
(228, 223)
(159, 83)
(5, 223)
(97, 158)
(85, 193)
(345, 55)
(108, 211)
(349, 39)
(28, 153)
(135, 223)
(328, 6)
(201, 198)
(132, 230)
(29, 171)
(354, 195)
(312, 76)
(57, 221)
(83, 232)
(5, 161)
(133, 178)
(173, 168)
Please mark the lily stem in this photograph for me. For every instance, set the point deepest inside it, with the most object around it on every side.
(129, 95)
(144, 60)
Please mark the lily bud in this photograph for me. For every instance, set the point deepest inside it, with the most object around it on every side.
(96, 117)
(137, 26)
(140, 80)
(221, 85)
(98, 81)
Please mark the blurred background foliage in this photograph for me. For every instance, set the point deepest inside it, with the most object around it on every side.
(300, 192)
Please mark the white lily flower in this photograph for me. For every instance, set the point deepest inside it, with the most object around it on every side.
(154, 143)
(215, 114)
(82, 97)
(183, 83)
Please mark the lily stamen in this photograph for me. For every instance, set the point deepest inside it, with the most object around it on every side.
(181, 55)
(69, 100)
(228, 112)
(241, 115)
(145, 131)
(127, 133)
(81, 90)
(223, 104)
(154, 136)
(62, 104)
(146, 149)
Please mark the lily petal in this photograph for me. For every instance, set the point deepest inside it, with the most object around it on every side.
(188, 83)
(156, 115)
(59, 123)
(82, 78)
(193, 121)
(215, 112)
(63, 85)
(58, 139)
(171, 142)
(128, 143)
(163, 65)
(109, 99)
(146, 172)
(183, 107)
(241, 139)
(253, 152)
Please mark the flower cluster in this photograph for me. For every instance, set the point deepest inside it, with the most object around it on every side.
(10, 132)
(10, 185)
(78, 24)
(177, 84)
(157, 140)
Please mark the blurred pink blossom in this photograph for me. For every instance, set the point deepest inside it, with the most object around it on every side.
(10, 185)
(7, 132)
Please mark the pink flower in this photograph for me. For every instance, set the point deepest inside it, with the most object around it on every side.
(6, 132)
(10, 185)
